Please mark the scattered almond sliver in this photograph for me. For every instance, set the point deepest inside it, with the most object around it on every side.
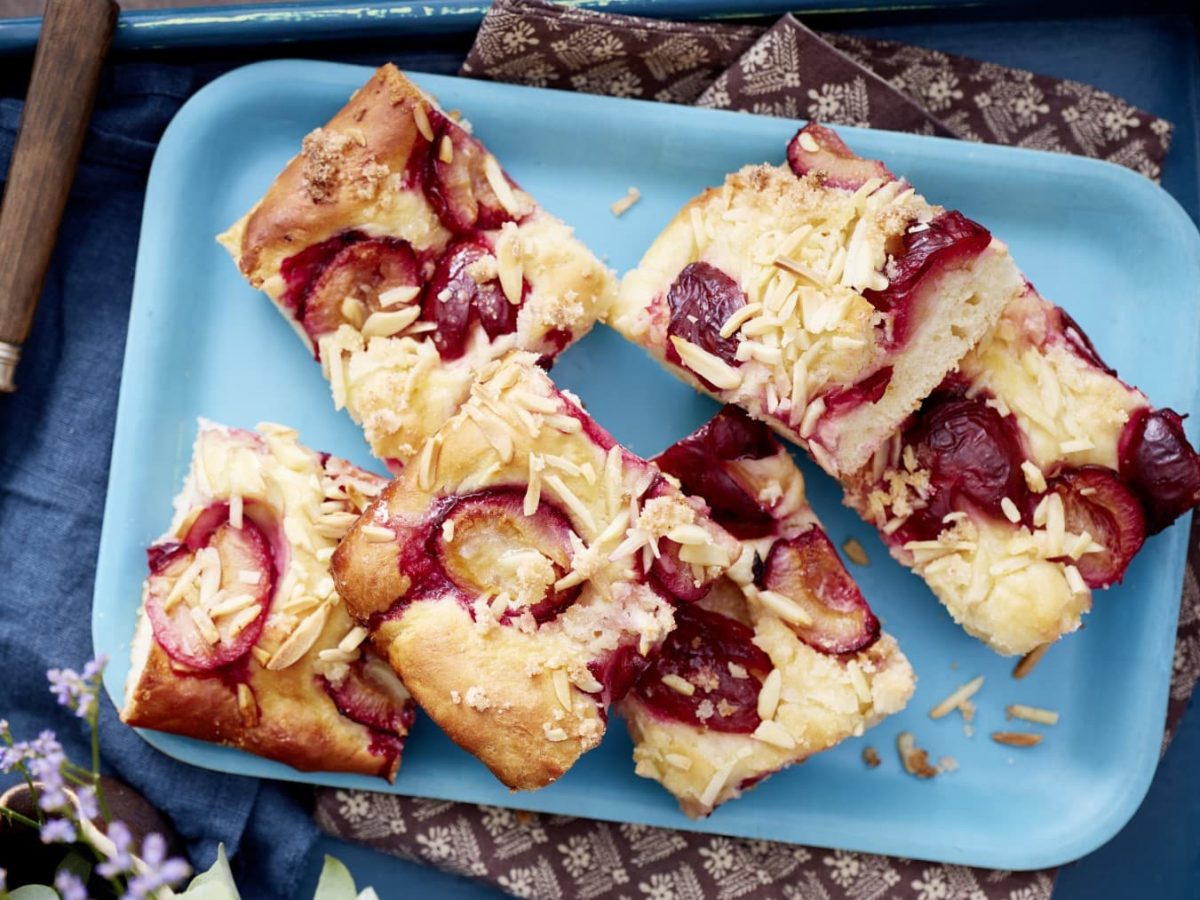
(957, 699)
(914, 759)
(1032, 714)
(855, 553)
(1016, 738)
(1025, 665)
(871, 757)
(620, 207)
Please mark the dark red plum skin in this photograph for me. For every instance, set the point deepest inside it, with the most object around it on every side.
(702, 646)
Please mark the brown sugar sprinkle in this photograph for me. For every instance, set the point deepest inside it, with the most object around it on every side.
(855, 553)
(1016, 738)
(871, 757)
(1025, 665)
(914, 758)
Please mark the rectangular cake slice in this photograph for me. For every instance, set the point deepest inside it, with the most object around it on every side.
(781, 658)
(406, 259)
(242, 638)
(1028, 479)
(522, 569)
(826, 298)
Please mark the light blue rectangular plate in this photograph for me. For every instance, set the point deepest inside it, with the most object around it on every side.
(1105, 242)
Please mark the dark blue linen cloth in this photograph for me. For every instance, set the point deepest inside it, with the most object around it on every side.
(55, 440)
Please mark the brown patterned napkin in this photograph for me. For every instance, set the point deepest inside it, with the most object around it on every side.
(792, 73)
(981, 101)
(545, 45)
(786, 70)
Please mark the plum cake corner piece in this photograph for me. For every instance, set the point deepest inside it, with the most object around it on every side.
(242, 638)
(825, 297)
(779, 659)
(522, 570)
(406, 259)
(1027, 480)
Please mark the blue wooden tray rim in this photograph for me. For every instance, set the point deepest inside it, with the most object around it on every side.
(267, 23)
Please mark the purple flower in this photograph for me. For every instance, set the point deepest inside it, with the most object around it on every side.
(11, 757)
(158, 871)
(119, 861)
(75, 691)
(154, 855)
(48, 770)
(88, 808)
(69, 887)
(58, 831)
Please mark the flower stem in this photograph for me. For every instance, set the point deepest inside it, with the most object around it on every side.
(33, 791)
(13, 816)
(94, 722)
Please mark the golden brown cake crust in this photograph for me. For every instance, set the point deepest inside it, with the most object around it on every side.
(277, 699)
(207, 708)
(331, 180)
(514, 747)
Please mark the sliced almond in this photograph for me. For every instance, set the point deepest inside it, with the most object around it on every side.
(957, 698)
(501, 187)
(573, 503)
(784, 607)
(771, 732)
(421, 119)
(386, 324)
(855, 553)
(712, 368)
(679, 684)
(301, 640)
(404, 293)
(377, 534)
(678, 761)
(713, 789)
(428, 462)
(562, 688)
(1032, 714)
(769, 694)
(1016, 738)
(247, 705)
(620, 207)
(1026, 664)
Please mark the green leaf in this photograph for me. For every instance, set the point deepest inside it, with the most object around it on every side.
(215, 884)
(77, 864)
(33, 892)
(336, 882)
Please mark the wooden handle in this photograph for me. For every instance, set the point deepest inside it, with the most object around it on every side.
(62, 87)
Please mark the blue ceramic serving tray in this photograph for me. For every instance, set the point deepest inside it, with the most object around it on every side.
(1105, 242)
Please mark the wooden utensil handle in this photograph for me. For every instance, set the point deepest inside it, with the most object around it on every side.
(62, 87)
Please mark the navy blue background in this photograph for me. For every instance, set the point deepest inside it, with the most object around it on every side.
(55, 437)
